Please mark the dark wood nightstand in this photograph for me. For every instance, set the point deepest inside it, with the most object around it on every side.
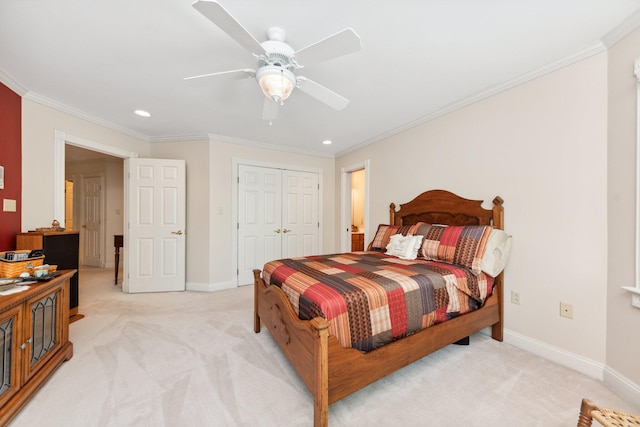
(357, 241)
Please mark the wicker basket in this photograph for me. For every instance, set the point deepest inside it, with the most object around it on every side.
(10, 268)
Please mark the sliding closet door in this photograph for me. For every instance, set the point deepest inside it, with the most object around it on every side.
(278, 214)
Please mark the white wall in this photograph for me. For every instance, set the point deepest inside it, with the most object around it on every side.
(221, 161)
(209, 185)
(542, 146)
(196, 156)
(114, 209)
(209, 191)
(39, 123)
(623, 320)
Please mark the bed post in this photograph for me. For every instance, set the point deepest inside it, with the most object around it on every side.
(392, 214)
(498, 213)
(321, 374)
(256, 284)
(497, 330)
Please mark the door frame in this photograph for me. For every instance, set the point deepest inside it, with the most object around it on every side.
(345, 221)
(235, 163)
(60, 139)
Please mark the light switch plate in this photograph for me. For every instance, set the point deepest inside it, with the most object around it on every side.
(8, 205)
(1, 177)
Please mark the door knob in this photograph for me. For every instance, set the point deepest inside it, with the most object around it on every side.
(286, 231)
(277, 230)
(179, 232)
(84, 225)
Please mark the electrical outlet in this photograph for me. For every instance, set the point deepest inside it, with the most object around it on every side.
(515, 297)
(566, 310)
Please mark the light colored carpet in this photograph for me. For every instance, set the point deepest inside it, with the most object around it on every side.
(192, 359)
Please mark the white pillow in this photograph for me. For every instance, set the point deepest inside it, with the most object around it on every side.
(405, 247)
(496, 252)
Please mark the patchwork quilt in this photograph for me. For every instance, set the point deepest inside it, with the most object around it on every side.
(370, 298)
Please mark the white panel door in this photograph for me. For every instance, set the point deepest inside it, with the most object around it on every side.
(299, 214)
(155, 234)
(91, 220)
(259, 219)
(278, 217)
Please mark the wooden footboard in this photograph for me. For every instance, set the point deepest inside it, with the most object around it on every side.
(332, 372)
(305, 343)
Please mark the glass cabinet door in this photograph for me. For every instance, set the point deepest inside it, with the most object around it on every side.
(10, 353)
(44, 329)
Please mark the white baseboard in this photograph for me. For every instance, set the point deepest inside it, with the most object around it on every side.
(555, 354)
(209, 287)
(622, 385)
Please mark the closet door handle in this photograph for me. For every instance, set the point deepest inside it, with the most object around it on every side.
(277, 230)
(286, 231)
(179, 232)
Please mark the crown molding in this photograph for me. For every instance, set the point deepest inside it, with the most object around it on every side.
(625, 27)
(176, 138)
(82, 115)
(238, 141)
(612, 37)
(594, 49)
(267, 146)
(12, 84)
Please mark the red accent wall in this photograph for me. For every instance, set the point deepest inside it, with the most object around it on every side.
(11, 160)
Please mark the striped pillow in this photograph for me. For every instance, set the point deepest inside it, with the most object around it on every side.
(383, 236)
(461, 245)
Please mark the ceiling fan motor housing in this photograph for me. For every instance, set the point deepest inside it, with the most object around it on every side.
(275, 73)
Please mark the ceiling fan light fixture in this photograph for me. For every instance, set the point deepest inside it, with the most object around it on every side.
(276, 82)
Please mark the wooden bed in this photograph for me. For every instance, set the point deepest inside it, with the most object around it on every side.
(331, 371)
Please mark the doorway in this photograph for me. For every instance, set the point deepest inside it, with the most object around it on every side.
(355, 206)
(357, 210)
(76, 158)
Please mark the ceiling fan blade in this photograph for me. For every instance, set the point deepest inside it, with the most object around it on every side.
(269, 109)
(322, 94)
(234, 74)
(339, 44)
(217, 14)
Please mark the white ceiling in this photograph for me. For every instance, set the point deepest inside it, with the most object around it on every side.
(419, 58)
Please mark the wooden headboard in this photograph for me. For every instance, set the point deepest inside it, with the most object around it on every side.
(444, 207)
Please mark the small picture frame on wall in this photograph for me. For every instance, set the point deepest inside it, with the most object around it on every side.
(1, 177)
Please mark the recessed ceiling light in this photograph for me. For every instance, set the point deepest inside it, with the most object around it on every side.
(327, 142)
(142, 113)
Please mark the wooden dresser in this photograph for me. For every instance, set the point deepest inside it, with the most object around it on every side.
(61, 248)
(34, 333)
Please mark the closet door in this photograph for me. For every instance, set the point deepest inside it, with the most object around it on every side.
(259, 219)
(278, 213)
(299, 214)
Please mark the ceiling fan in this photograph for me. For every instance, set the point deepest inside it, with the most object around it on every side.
(278, 62)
